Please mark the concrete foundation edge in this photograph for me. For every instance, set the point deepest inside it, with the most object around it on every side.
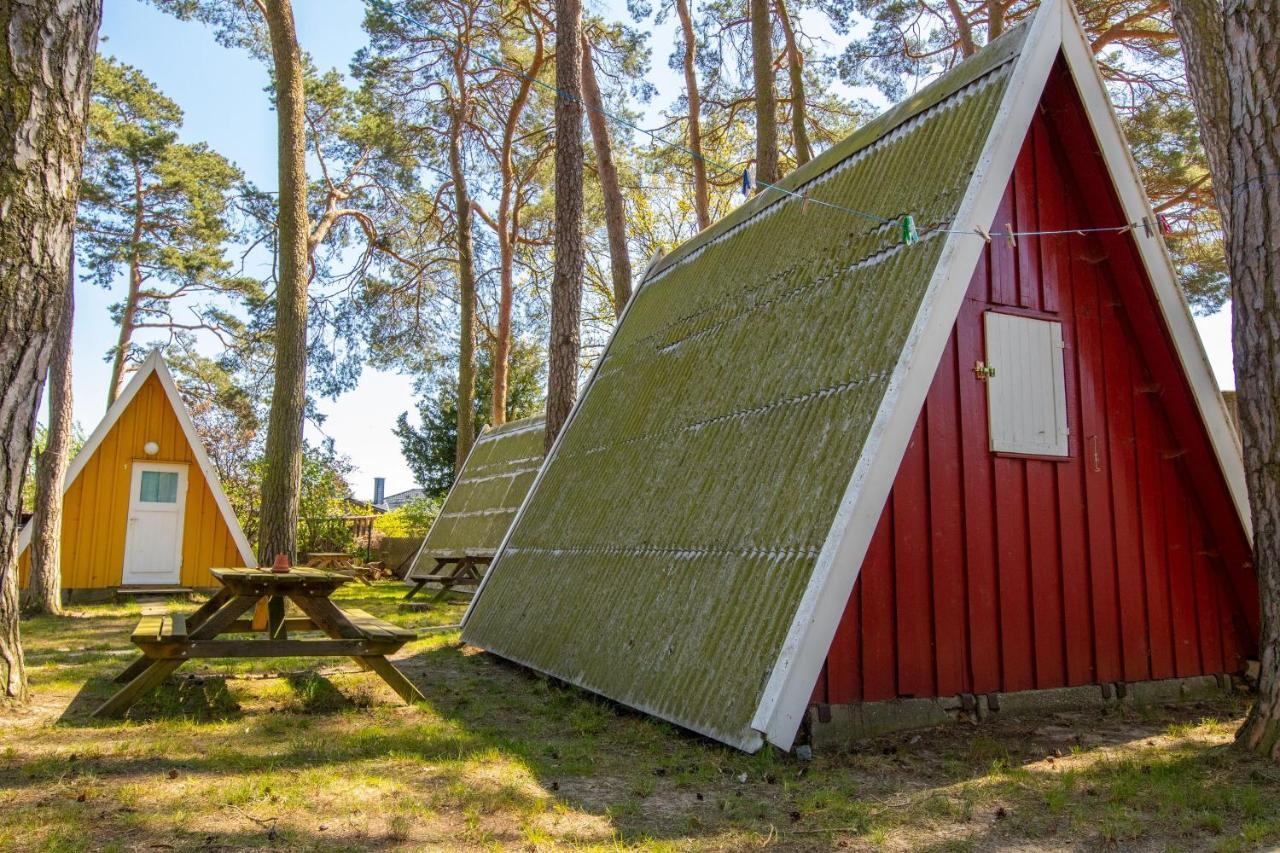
(831, 726)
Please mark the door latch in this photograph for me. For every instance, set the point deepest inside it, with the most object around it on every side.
(983, 371)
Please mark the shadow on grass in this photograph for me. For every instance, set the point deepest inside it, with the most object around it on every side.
(648, 780)
(315, 694)
(185, 696)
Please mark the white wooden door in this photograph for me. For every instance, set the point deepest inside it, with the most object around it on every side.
(1026, 396)
(153, 540)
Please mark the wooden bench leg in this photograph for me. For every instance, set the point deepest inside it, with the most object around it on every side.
(133, 670)
(150, 678)
(194, 621)
(417, 586)
(395, 678)
(276, 628)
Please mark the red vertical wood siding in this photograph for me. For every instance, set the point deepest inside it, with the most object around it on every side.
(1123, 561)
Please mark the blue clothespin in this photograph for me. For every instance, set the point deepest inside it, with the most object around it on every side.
(747, 182)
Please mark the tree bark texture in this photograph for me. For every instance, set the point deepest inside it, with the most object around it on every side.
(995, 19)
(795, 70)
(1199, 26)
(44, 584)
(1252, 51)
(693, 96)
(766, 100)
(566, 283)
(46, 61)
(615, 210)
(464, 217)
(281, 483)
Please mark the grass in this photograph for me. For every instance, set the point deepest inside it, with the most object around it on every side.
(229, 756)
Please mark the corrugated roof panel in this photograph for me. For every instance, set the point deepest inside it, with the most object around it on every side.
(662, 556)
(488, 491)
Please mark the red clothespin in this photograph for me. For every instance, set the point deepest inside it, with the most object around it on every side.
(1165, 227)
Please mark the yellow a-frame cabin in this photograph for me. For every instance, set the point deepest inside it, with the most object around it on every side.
(142, 502)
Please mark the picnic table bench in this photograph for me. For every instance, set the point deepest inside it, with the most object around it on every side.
(449, 572)
(169, 640)
(336, 561)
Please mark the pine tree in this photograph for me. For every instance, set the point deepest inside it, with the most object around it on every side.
(159, 211)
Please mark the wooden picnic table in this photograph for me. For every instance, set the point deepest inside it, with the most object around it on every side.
(168, 641)
(450, 572)
(334, 561)
(331, 560)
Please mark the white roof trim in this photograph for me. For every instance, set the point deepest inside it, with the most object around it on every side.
(794, 674)
(154, 363)
(1056, 29)
(1126, 178)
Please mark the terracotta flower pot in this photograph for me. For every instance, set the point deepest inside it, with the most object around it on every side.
(281, 565)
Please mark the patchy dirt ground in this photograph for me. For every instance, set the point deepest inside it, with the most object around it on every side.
(290, 756)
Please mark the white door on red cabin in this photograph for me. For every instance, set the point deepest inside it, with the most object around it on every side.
(153, 538)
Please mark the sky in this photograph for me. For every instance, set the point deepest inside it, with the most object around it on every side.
(222, 94)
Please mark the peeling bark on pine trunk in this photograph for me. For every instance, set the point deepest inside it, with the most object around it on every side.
(1252, 42)
(766, 101)
(44, 583)
(615, 211)
(466, 294)
(566, 283)
(42, 132)
(701, 193)
(795, 69)
(1199, 26)
(278, 521)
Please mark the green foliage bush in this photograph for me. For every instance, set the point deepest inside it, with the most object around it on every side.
(411, 519)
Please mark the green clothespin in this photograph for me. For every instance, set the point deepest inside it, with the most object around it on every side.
(909, 233)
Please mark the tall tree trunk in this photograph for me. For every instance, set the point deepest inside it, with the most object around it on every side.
(466, 293)
(46, 60)
(128, 316)
(566, 283)
(795, 70)
(1252, 52)
(282, 481)
(995, 19)
(1199, 26)
(502, 343)
(766, 101)
(693, 97)
(509, 230)
(964, 30)
(44, 584)
(615, 211)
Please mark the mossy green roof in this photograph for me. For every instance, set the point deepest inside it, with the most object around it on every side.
(484, 499)
(662, 556)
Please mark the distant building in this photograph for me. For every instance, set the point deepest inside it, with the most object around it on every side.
(142, 503)
(399, 499)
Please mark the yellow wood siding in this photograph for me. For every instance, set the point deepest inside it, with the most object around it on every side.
(96, 506)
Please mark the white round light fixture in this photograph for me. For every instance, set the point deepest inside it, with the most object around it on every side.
(151, 448)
